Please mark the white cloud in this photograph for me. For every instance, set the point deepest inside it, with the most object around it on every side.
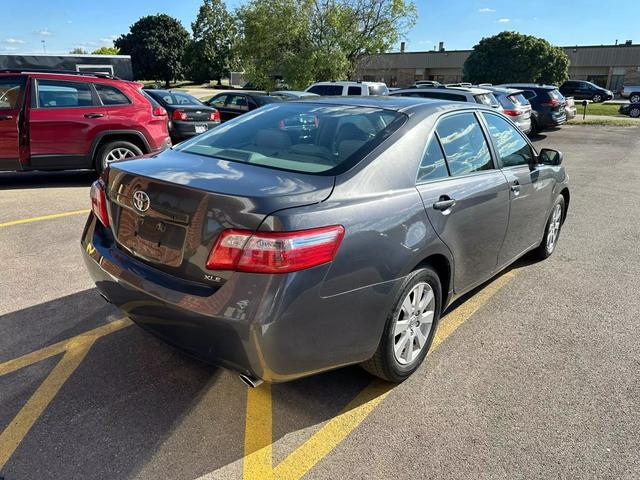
(13, 41)
(69, 22)
(486, 10)
(45, 32)
(8, 49)
(108, 39)
(504, 20)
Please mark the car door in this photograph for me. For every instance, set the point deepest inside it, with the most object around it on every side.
(218, 102)
(12, 91)
(64, 119)
(465, 196)
(530, 187)
(236, 104)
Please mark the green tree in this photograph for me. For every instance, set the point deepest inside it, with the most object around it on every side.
(303, 41)
(211, 54)
(514, 57)
(157, 45)
(106, 51)
(78, 51)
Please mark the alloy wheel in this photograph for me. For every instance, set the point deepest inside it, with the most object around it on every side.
(635, 98)
(634, 112)
(413, 323)
(554, 228)
(597, 98)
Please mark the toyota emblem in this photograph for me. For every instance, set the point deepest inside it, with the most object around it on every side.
(141, 201)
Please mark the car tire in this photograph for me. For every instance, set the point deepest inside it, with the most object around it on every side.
(634, 112)
(552, 230)
(535, 129)
(391, 361)
(634, 98)
(597, 98)
(115, 150)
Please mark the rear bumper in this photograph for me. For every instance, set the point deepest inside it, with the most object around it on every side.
(274, 327)
(183, 130)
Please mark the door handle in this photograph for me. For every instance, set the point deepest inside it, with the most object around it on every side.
(444, 203)
(515, 187)
(93, 115)
(6, 117)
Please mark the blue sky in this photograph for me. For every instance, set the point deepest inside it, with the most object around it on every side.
(64, 25)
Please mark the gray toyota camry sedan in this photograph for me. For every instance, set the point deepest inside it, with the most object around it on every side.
(308, 235)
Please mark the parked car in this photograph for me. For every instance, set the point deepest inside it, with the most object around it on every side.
(188, 116)
(54, 121)
(233, 104)
(631, 109)
(583, 90)
(514, 105)
(570, 108)
(329, 89)
(280, 255)
(426, 84)
(547, 103)
(454, 94)
(293, 94)
(632, 92)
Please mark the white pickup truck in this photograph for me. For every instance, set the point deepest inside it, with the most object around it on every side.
(632, 92)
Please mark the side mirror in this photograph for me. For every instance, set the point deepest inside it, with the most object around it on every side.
(549, 156)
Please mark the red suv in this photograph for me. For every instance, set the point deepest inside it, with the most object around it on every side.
(57, 121)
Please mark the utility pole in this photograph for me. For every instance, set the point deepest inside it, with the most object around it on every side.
(44, 46)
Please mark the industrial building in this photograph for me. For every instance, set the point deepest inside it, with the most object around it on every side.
(610, 66)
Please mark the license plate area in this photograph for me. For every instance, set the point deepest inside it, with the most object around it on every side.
(201, 128)
(151, 238)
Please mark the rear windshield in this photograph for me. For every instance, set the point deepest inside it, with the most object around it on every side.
(175, 98)
(326, 90)
(378, 90)
(301, 137)
(556, 95)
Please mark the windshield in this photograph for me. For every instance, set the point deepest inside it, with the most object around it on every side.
(301, 137)
(176, 98)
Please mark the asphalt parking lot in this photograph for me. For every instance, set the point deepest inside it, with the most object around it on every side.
(534, 375)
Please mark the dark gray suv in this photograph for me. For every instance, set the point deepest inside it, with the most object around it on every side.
(308, 235)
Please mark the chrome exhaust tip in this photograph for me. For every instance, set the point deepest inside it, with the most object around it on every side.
(250, 381)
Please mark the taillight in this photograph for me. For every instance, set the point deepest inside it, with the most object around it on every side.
(513, 113)
(179, 115)
(99, 202)
(214, 116)
(274, 252)
(551, 103)
(159, 112)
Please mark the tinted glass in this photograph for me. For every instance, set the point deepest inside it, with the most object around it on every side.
(354, 91)
(237, 102)
(264, 99)
(464, 144)
(438, 95)
(528, 94)
(433, 164)
(556, 95)
(57, 94)
(176, 98)
(487, 99)
(218, 101)
(378, 90)
(512, 148)
(300, 137)
(326, 90)
(10, 92)
(111, 95)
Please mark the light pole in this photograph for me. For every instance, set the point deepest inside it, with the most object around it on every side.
(44, 46)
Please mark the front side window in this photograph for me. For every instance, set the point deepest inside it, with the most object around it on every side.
(464, 144)
(433, 164)
(301, 137)
(512, 148)
(60, 94)
(111, 95)
(11, 92)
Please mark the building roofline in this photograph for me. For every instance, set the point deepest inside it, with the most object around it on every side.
(567, 47)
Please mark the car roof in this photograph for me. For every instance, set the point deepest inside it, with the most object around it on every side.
(541, 86)
(505, 90)
(347, 82)
(396, 103)
(471, 90)
(83, 77)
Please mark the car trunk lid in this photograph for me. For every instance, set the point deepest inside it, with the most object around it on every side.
(196, 113)
(168, 210)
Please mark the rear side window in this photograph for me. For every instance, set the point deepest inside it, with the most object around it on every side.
(237, 102)
(433, 164)
(354, 91)
(326, 90)
(218, 101)
(438, 95)
(378, 90)
(60, 94)
(529, 94)
(11, 92)
(512, 148)
(301, 137)
(111, 95)
(464, 144)
(487, 99)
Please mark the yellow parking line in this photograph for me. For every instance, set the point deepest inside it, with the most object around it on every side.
(75, 349)
(258, 449)
(44, 217)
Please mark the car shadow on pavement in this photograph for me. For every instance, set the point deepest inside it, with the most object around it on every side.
(25, 180)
